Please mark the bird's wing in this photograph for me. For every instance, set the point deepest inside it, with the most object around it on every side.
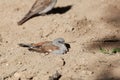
(41, 43)
(37, 7)
(49, 47)
(40, 5)
(43, 47)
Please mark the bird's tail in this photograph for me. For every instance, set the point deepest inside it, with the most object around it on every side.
(24, 19)
(26, 45)
(31, 47)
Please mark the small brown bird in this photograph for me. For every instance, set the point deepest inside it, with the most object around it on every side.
(56, 46)
(39, 7)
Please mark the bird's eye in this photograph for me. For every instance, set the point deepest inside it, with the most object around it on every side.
(61, 42)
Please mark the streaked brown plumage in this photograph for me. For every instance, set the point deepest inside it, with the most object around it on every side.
(56, 46)
(39, 7)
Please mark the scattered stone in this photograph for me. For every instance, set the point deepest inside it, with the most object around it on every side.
(3, 61)
(63, 61)
(17, 75)
(55, 76)
(1, 40)
(17, 9)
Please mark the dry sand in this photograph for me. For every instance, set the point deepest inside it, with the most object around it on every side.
(82, 22)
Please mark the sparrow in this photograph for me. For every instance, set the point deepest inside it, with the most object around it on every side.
(39, 7)
(57, 46)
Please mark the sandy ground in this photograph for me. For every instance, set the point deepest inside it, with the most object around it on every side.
(84, 23)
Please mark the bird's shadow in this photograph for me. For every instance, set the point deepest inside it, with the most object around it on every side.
(57, 10)
(68, 46)
(60, 10)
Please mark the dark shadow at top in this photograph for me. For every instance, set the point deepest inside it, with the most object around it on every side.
(60, 10)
